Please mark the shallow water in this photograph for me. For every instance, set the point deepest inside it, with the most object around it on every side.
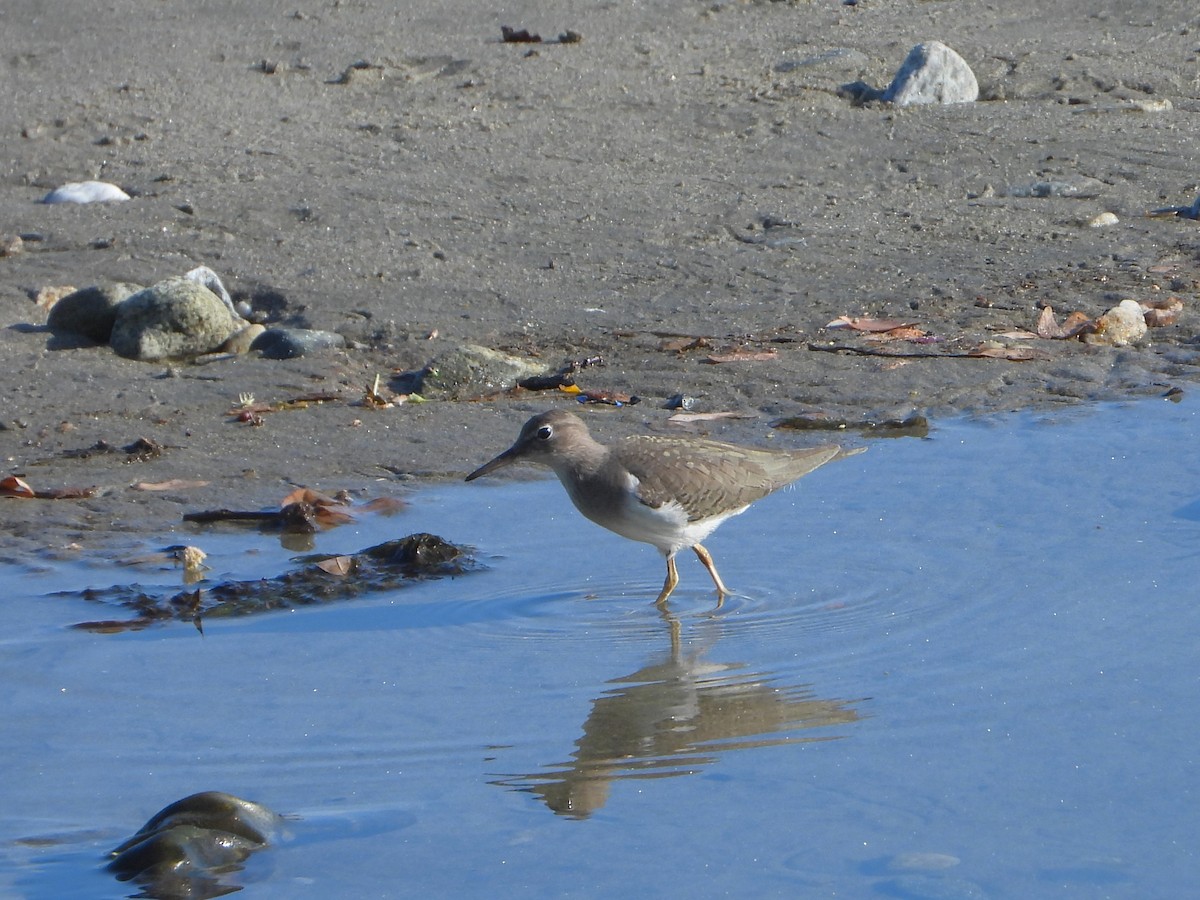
(956, 667)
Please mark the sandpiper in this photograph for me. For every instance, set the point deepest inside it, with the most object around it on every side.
(671, 492)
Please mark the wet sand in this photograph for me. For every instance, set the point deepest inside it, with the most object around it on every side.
(411, 181)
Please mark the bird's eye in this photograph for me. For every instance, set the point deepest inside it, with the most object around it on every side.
(545, 433)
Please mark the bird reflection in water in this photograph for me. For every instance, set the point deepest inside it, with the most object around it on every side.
(675, 716)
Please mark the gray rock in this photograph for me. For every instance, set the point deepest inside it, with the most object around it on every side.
(932, 73)
(175, 318)
(90, 311)
(470, 371)
(289, 343)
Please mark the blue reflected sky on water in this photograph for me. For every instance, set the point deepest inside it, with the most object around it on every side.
(961, 666)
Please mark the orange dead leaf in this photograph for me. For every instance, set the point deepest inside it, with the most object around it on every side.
(308, 495)
(12, 486)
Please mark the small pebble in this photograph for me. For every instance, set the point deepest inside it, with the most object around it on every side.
(1103, 220)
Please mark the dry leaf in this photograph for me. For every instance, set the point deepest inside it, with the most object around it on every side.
(1077, 323)
(902, 333)
(1161, 313)
(682, 418)
(337, 565)
(864, 323)
(307, 495)
(683, 344)
(330, 516)
(742, 356)
(991, 350)
(175, 484)
(383, 505)
(12, 486)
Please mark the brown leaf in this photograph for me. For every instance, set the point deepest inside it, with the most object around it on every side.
(307, 495)
(1076, 324)
(383, 505)
(742, 356)
(901, 333)
(683, 344)
(12, 486)
(865, 323)
(175, 484)
(337, 565)
(990, 350)
(1161, 313)
(332, 515)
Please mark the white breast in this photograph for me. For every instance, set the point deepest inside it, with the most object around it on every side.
(666, 527)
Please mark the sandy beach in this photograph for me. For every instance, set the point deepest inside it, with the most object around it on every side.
(687, 182)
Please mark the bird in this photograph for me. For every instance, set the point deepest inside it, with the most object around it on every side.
(671, 492)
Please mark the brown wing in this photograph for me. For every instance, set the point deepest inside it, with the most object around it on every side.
(708, 477)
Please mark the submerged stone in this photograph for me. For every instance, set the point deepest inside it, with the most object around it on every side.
(186, 848)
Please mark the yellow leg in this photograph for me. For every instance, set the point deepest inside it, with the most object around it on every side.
(706, 558)
(669, 584)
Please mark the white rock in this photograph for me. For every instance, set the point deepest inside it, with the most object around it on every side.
(1124, 324)
(932, 73)
(211, 280)
(1103, 220)
(86, 192)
